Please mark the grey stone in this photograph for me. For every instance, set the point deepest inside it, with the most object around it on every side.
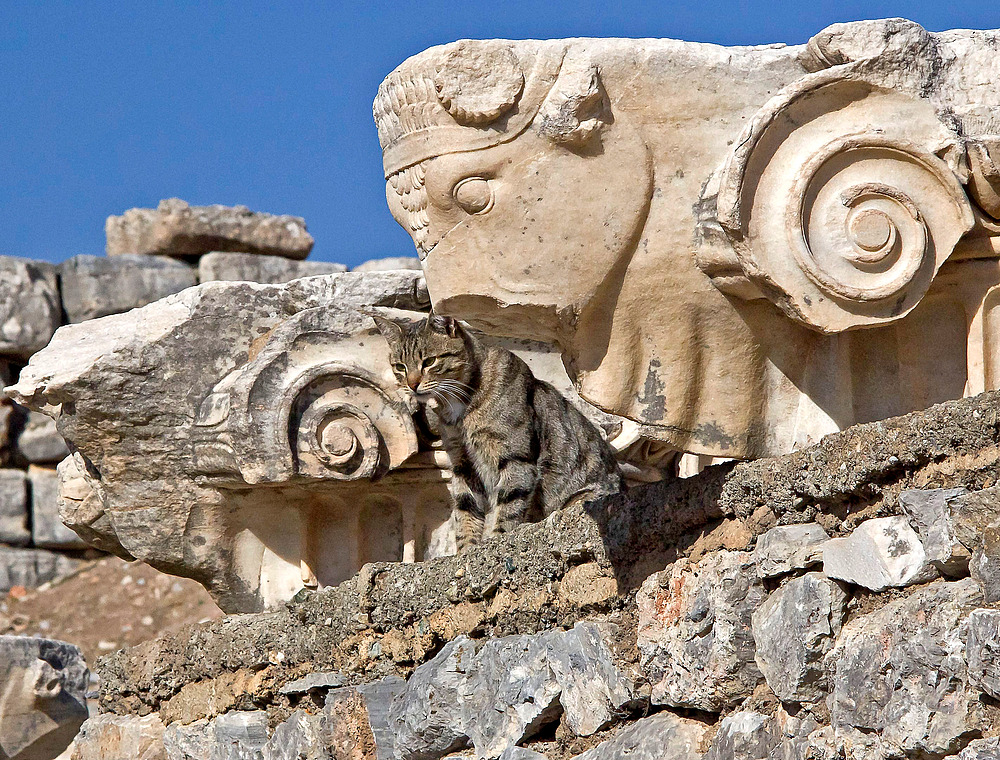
(29, 306)
(793, 630)
(300, 737)
(250, 267)
(96, 286)
(230, 736)
(39, 441)
(121, 737)
(930, 515)
(974, 512)
(695, 637)
(985, 564)
(744, 735)
(14, 508)
(378, 698)
(521, 753)
(31, 568)
(388, 264)
(325, 680)
(43, 697)
(179, 229)
(789, 547)
(47, 530)
(878, 554)
(663, 736)
(982, 651)
(981, 749)
(900, 672)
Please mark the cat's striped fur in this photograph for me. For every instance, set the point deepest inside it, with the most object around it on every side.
(518, 449)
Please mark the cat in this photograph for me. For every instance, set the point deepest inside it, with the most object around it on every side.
(519, 450)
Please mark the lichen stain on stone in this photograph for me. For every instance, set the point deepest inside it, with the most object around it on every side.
(652, 399)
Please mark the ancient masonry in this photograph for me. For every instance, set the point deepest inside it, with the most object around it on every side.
(793, 260)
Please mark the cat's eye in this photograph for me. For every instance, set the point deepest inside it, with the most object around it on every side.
(400, 368)
(429, 362)
(474, 195)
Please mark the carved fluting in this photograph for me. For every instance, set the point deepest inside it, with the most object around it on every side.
(839, 205)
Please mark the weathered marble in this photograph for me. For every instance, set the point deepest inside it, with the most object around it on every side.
(250, 267)
(930, 515)
(29, 306)
(388, 264)
(14, 508)
(878, 554)
(789, 547)
(663, 736)
(38, 440)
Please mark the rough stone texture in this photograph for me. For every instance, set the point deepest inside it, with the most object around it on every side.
(118, 737)
(388, 264)
(96, 286)
(981, 749)
(39, 441)
(789, 547)
(43, 699)
(982, 651)
(663, 736)
(29, 306)
(900, 672)
(985, 564)
(878, 554)
(973, 513)
(695, 631)
(930, 515)
(47, 530)
(744, 735)
(178, 229)
(233, 736)
(31, 568)
(520, 753)
(14, 508)
(313, 681)
(793, 630)
(249, 267)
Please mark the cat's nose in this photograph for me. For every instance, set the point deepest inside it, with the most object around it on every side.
(413, 379)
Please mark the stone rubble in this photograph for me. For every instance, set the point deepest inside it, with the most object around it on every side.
(663, 736)
(39, 442)
(789, 547)
(250, 267)
(388, 264)
(47, 529)
(878, 554)
(930, 514)
(14, 529)
(29, 306)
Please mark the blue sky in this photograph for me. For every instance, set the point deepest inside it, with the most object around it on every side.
(105, 106)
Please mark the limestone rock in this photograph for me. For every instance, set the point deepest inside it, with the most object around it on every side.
(39, 441)
(930, 515)
(985, 564)
(695, 631)
(43, 701)
(250, 267)
(900, 672)
(981, 749)
(744, 735)
(972, 513)
(313, 681)
(29, 306)
(789, 547)
(14, 508)
(96, 286)
(47, 530)
(878, 554)
(521, 753)
(663, 736)
(230, 736)
(178, 229)
(300, 737)
(793, 630)
(388, 264)
(120, 736)
(982, 651)
(81, 509)
(31, 568)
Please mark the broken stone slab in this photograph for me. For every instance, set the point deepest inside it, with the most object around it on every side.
(250, 267)
(313, 681)
(900, 672)
(30, 568)
(789, 547)
(981, 749)
(930, 514)
(972, 513)
(982, 651)
(695, 637)
(175, 228)
(14, 508)
(47, 530)
(230, 736)
(96, 286)
(128, 737)
(301, 737)
(663, 736)
(30, 309)
(43, 699)
(793, 630)
(744, 735)
(878, 554)
(521, 753)
(388, 264)
(39, 441)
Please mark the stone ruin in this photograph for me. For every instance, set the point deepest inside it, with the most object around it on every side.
(786, 255)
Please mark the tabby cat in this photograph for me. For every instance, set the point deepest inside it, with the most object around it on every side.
(518, 449)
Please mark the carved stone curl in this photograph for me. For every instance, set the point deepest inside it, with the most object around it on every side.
(840, 203)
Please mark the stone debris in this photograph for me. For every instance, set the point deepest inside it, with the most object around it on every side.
(663, 736)
(29, 306)
(47, 530)
(744, 734)
(250, 267)
(972, 513)
(982, 651)
(878, 554)
(119, 737)
(793, 630)
(521, 753)
(985, 564)
(695, 631)
(232, 736)
(96, 286)
(930, 515)
(789, 547)
(900, 672)
(176, 228)
(313, 681)
(981, 749)
(30, 568)
(43, 697)
(14, 529)
(388, 264)
(39, 441)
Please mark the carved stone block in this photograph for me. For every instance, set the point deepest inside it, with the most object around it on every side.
(251, 267)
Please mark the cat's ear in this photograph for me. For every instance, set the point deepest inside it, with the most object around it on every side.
(445, 325)
(390, 329)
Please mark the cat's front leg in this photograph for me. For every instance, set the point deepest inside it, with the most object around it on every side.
(468, 508)
(515, 499)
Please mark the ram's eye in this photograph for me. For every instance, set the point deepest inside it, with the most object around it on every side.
(430, 362)
(400, 368)
(474, 194)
